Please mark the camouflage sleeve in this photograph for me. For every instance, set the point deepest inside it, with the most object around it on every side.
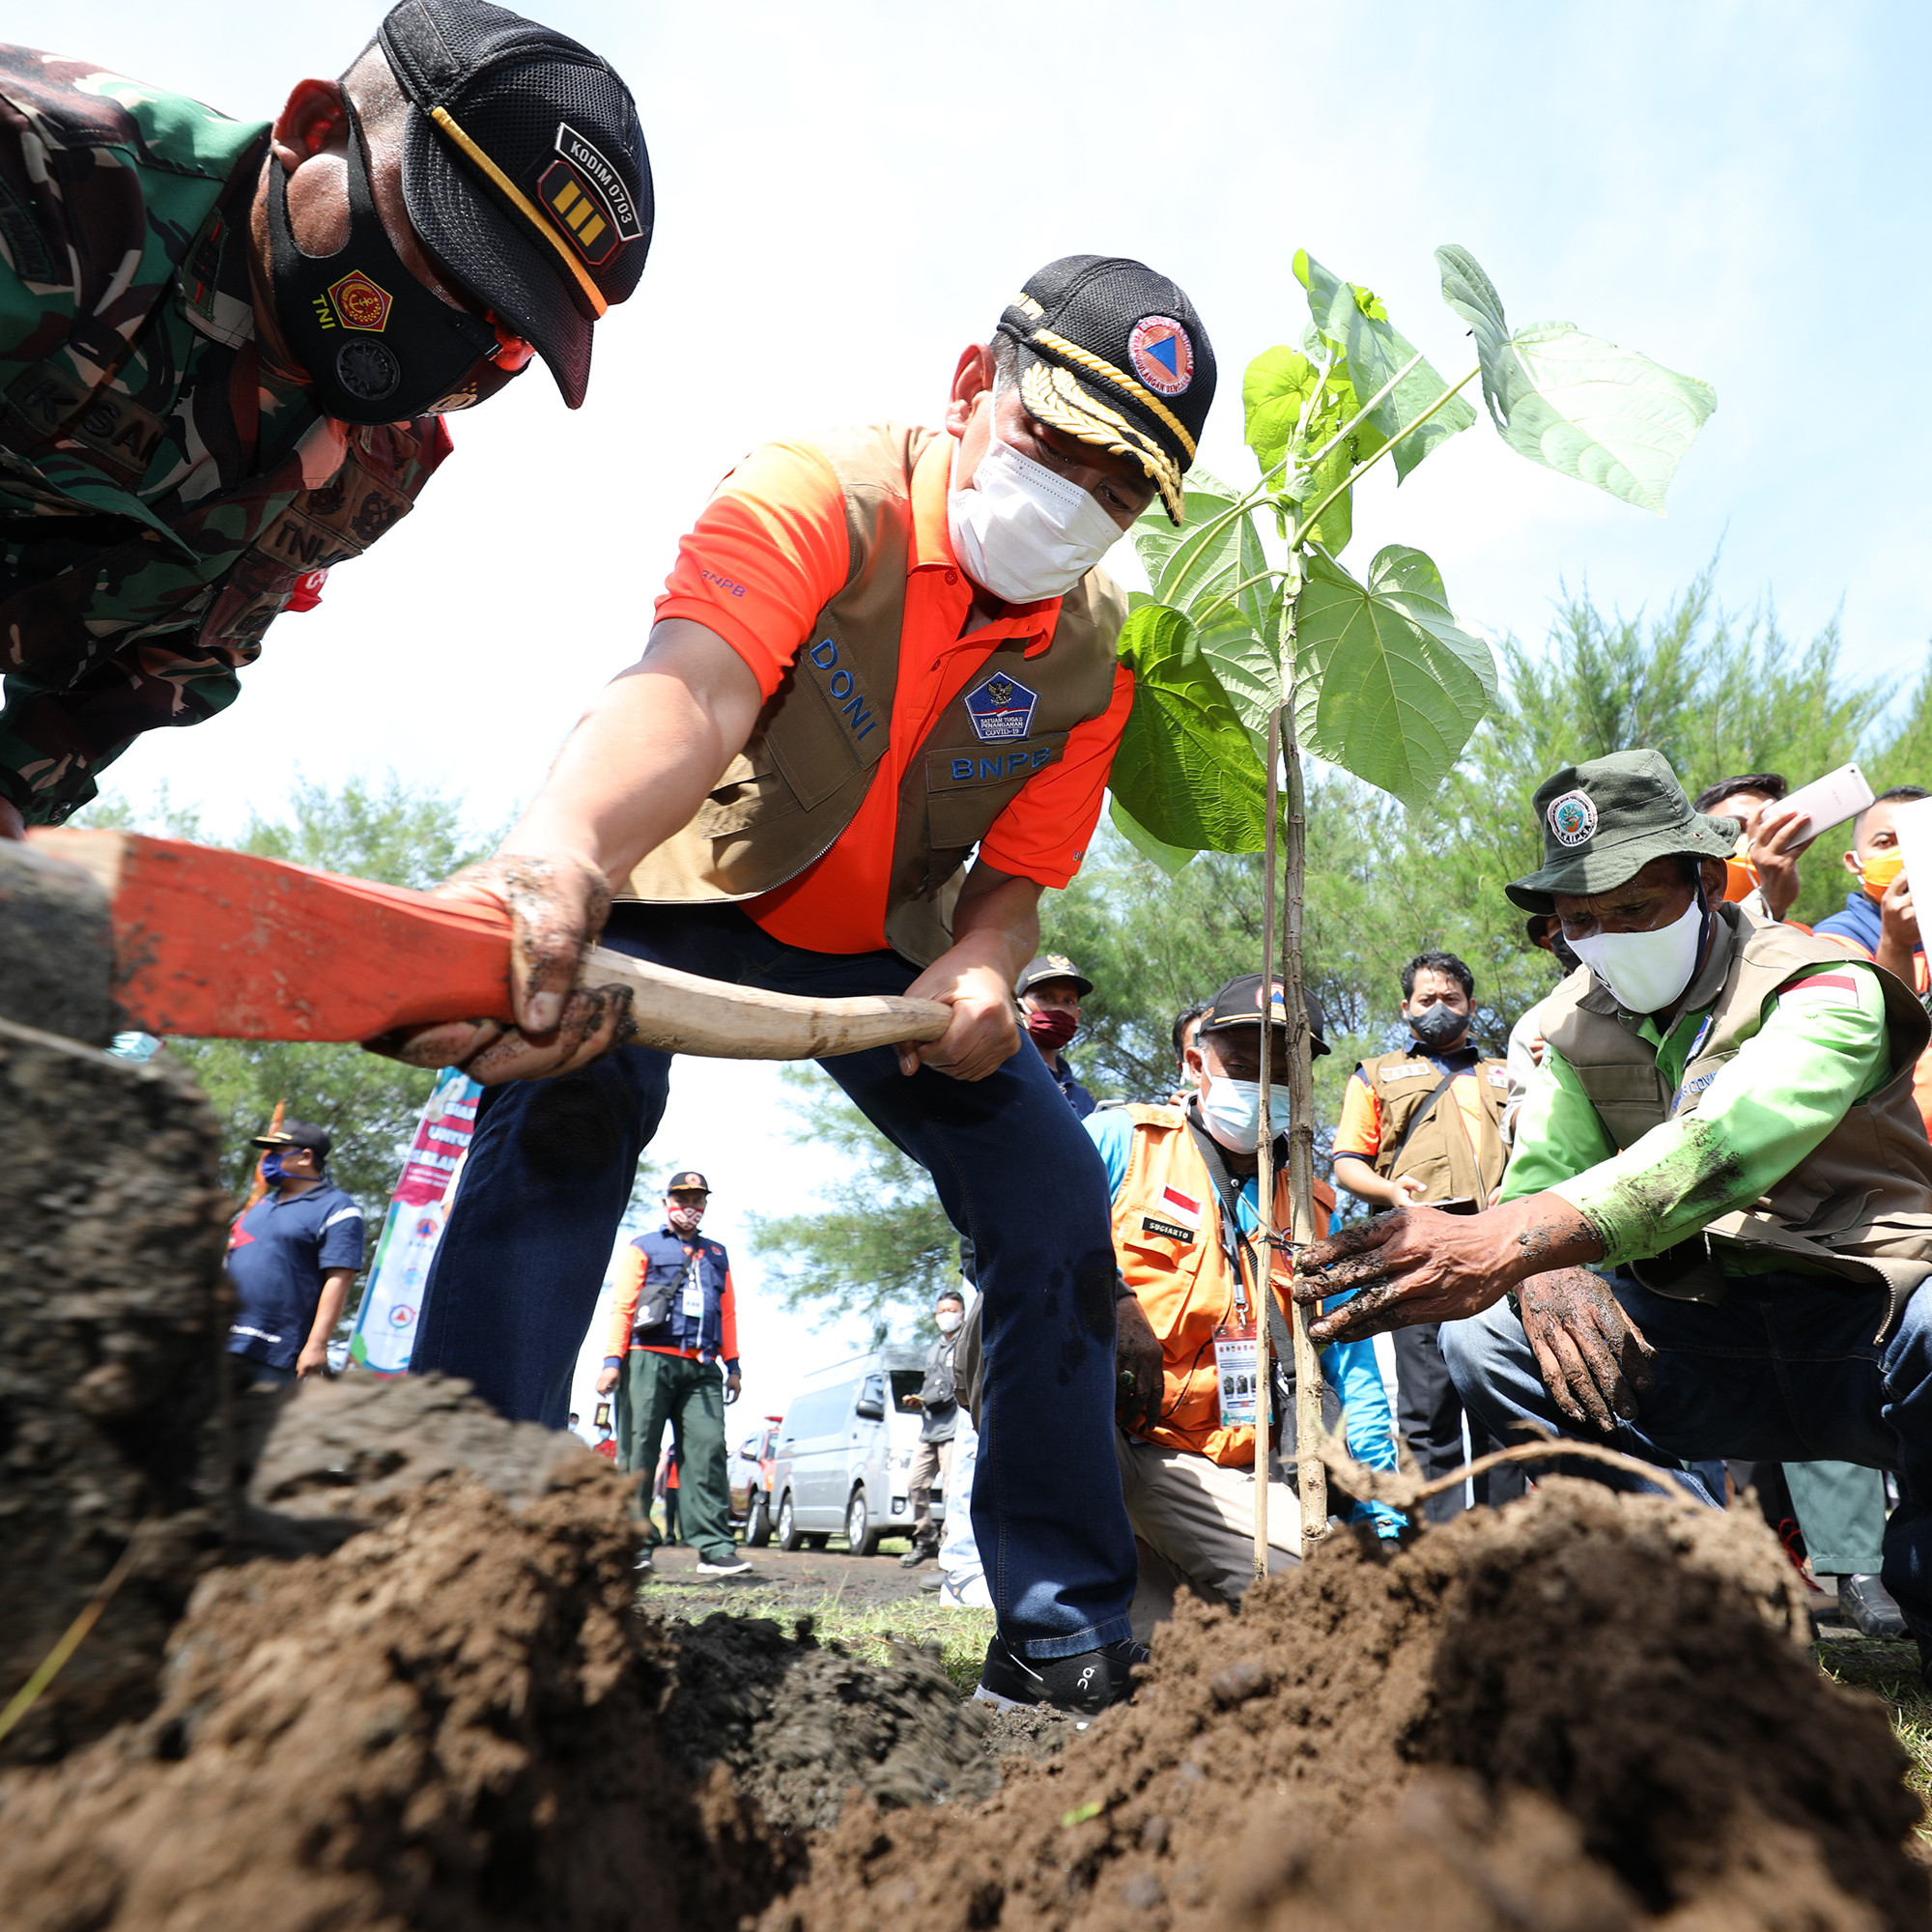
(53, 744)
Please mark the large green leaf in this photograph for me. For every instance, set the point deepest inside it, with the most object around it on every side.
(1198, 559)
(1388, 686)
(1186, 770)
(1580, 405)
(1355, 322)
(1172, 860)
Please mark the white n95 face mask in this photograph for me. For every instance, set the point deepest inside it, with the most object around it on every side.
(1024, 533)
(1645, 972)
(1232, 1110)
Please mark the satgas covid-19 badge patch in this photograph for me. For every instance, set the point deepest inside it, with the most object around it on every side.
(1571, 819)
(1002, 708)
(1162, 353)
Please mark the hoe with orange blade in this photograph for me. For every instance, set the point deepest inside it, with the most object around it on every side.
(221, 945)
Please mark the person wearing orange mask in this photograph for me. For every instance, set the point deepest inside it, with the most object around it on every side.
(1878, 920)
(1762, 874)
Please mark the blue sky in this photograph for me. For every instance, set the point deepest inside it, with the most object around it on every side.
(848, 193)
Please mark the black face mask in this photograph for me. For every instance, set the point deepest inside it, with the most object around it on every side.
(1438, 1026)
(379, 346)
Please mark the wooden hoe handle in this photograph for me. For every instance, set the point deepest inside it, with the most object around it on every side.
(222, 945)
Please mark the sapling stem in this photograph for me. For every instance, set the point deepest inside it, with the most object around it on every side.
(1356, 420)
(1308, 521)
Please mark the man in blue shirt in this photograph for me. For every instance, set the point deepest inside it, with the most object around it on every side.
(292, 1258)
(1049, 992)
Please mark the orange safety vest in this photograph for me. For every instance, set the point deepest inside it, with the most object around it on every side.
(1167, 1237)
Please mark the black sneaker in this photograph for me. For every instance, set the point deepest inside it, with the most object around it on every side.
(1086, 1683)
(1869, 1605)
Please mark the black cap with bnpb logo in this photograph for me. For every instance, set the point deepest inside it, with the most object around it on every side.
(687, 1178)
(1113, 355)
(524, 171)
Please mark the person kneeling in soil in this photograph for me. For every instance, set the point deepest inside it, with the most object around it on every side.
(1185, 1212)
(1719, 1209)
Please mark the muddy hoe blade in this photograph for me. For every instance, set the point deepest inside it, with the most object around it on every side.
(222, 945)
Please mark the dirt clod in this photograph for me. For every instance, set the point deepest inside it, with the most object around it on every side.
(1587, 1713)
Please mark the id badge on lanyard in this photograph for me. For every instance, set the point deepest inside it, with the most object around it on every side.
(1238, 1365)
(692, 1302)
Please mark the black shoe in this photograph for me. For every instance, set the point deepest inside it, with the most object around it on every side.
(1869, 1605)
(918, 1553)
(1086, 1683)
(930, 1586)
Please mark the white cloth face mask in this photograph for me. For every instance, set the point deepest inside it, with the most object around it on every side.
(1021, 532)
(1232, 1110)
(1645, 972)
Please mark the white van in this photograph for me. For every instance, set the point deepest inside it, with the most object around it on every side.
(844, 1452)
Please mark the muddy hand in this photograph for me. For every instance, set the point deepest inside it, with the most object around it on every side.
(557, 907)
(1137, 1368)
(1593, 1358)
(1419, 1265)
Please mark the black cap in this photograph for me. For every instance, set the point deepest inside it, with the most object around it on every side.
(1239, 1003)
(524, 171)
(1114, 354)
(297, 1133)
(687, 1178)
(1053, 966)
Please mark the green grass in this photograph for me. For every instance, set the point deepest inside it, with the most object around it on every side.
(865, 1630)
(1890, 1671)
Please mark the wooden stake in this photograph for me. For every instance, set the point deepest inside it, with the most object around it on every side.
(1265, 1168)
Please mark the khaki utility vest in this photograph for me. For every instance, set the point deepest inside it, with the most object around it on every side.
(1439, 1152)
(813, 754)
(1858, 1206)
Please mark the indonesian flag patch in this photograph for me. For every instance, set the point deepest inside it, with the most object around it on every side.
(1174, 1206)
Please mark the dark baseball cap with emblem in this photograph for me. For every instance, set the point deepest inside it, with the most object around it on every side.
(1604, 820)
(1239, 1004)
(1113, 355)
(297, 1133)
(524, 171)
(687, 1180)
(1053, 966)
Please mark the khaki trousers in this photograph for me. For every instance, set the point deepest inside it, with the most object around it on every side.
(1195, 1521)
(930, 1460)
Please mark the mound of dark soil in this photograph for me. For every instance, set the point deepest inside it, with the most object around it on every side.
(802, 1727)
(1586, 1713)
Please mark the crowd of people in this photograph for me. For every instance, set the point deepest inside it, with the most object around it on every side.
(873, 721)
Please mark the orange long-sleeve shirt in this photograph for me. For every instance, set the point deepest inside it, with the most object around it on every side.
(624, 1310)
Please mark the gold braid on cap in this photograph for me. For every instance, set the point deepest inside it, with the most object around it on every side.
(1099, 366)
(1052, 395)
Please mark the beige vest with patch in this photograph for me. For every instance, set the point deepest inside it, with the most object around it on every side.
(811, 757)
(1439, 1152)
(1858, 1207)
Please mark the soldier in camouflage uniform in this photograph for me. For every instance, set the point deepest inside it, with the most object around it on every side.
(200, 416)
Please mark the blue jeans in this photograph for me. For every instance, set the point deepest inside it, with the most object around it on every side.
(528, 1240)
(1782, 1370)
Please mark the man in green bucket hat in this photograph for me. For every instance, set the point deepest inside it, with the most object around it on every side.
(1710, 1236)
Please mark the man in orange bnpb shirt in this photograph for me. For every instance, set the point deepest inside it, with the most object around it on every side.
(874, 719)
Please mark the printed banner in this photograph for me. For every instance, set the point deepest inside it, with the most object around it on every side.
(386, 1325)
